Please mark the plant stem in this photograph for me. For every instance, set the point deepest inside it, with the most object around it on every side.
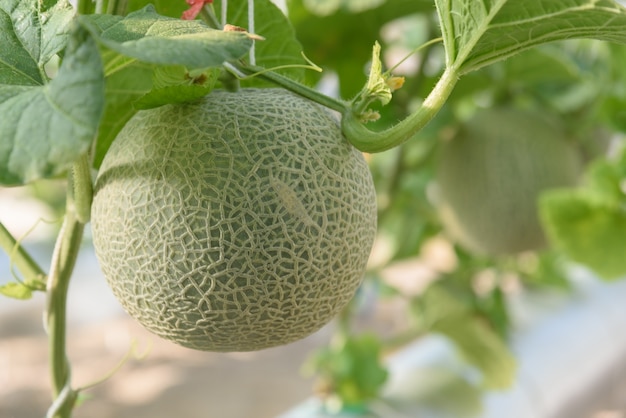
(117, 7)
(20, 257)
(369, 141)
(83, 7)
(81, 187)
(362, 138)
(79, 196)
(294, 86)
(63, 261)
(207, 14)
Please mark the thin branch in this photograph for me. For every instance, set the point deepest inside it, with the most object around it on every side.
(27, 266)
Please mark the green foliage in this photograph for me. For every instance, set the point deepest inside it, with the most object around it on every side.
(589, 223)
(22, 290)
(473, 31)
(341, 39)
(16, 290)
(442, 312)
(349, 370)
(174, 84)
(66, 110)
(149, 37)
(280, 48)
(169, 8)
(127, 80)
(30, 35)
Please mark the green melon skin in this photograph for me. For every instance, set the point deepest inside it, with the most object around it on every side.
(237, 223)
(490, 175)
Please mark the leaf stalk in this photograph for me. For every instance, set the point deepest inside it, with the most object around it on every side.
(26, 265)
(291, 85)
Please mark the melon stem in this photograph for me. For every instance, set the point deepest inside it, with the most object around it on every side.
(369, 141)
(81, 187)
(64, 256)
(63, 261)
(79, 196)
(353, 129)
(293, 86)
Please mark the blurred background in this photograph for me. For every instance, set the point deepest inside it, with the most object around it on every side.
(507, 319)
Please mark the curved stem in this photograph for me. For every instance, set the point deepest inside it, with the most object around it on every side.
(369, 141)
(362, 138)
(20, 257)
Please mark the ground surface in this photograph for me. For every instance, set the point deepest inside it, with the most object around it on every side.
(170, 381)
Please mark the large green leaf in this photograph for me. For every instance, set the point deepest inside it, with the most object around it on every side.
(342, 41)
(589, 224)
(153, 38)
(44, 128)
(588, 229)
(30, 37)
(477, 33)
(280, 46)
(164, 7)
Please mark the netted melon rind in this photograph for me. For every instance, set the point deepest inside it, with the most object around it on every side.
(238, 223)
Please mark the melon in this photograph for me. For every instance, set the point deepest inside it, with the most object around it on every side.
(236, 223)
(491, 173)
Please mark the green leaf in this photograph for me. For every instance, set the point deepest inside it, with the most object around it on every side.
(45, 128)
(164, 7)
(481, 347)
(339, 40)
(30, 36)
(280, 46)
(174, 84)
(589, 228)
(589, 224)
(478, 343)
(607, 179)
(351, 367)
(16, 290)
(126, 82)
(477, 33)
(150, 37)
